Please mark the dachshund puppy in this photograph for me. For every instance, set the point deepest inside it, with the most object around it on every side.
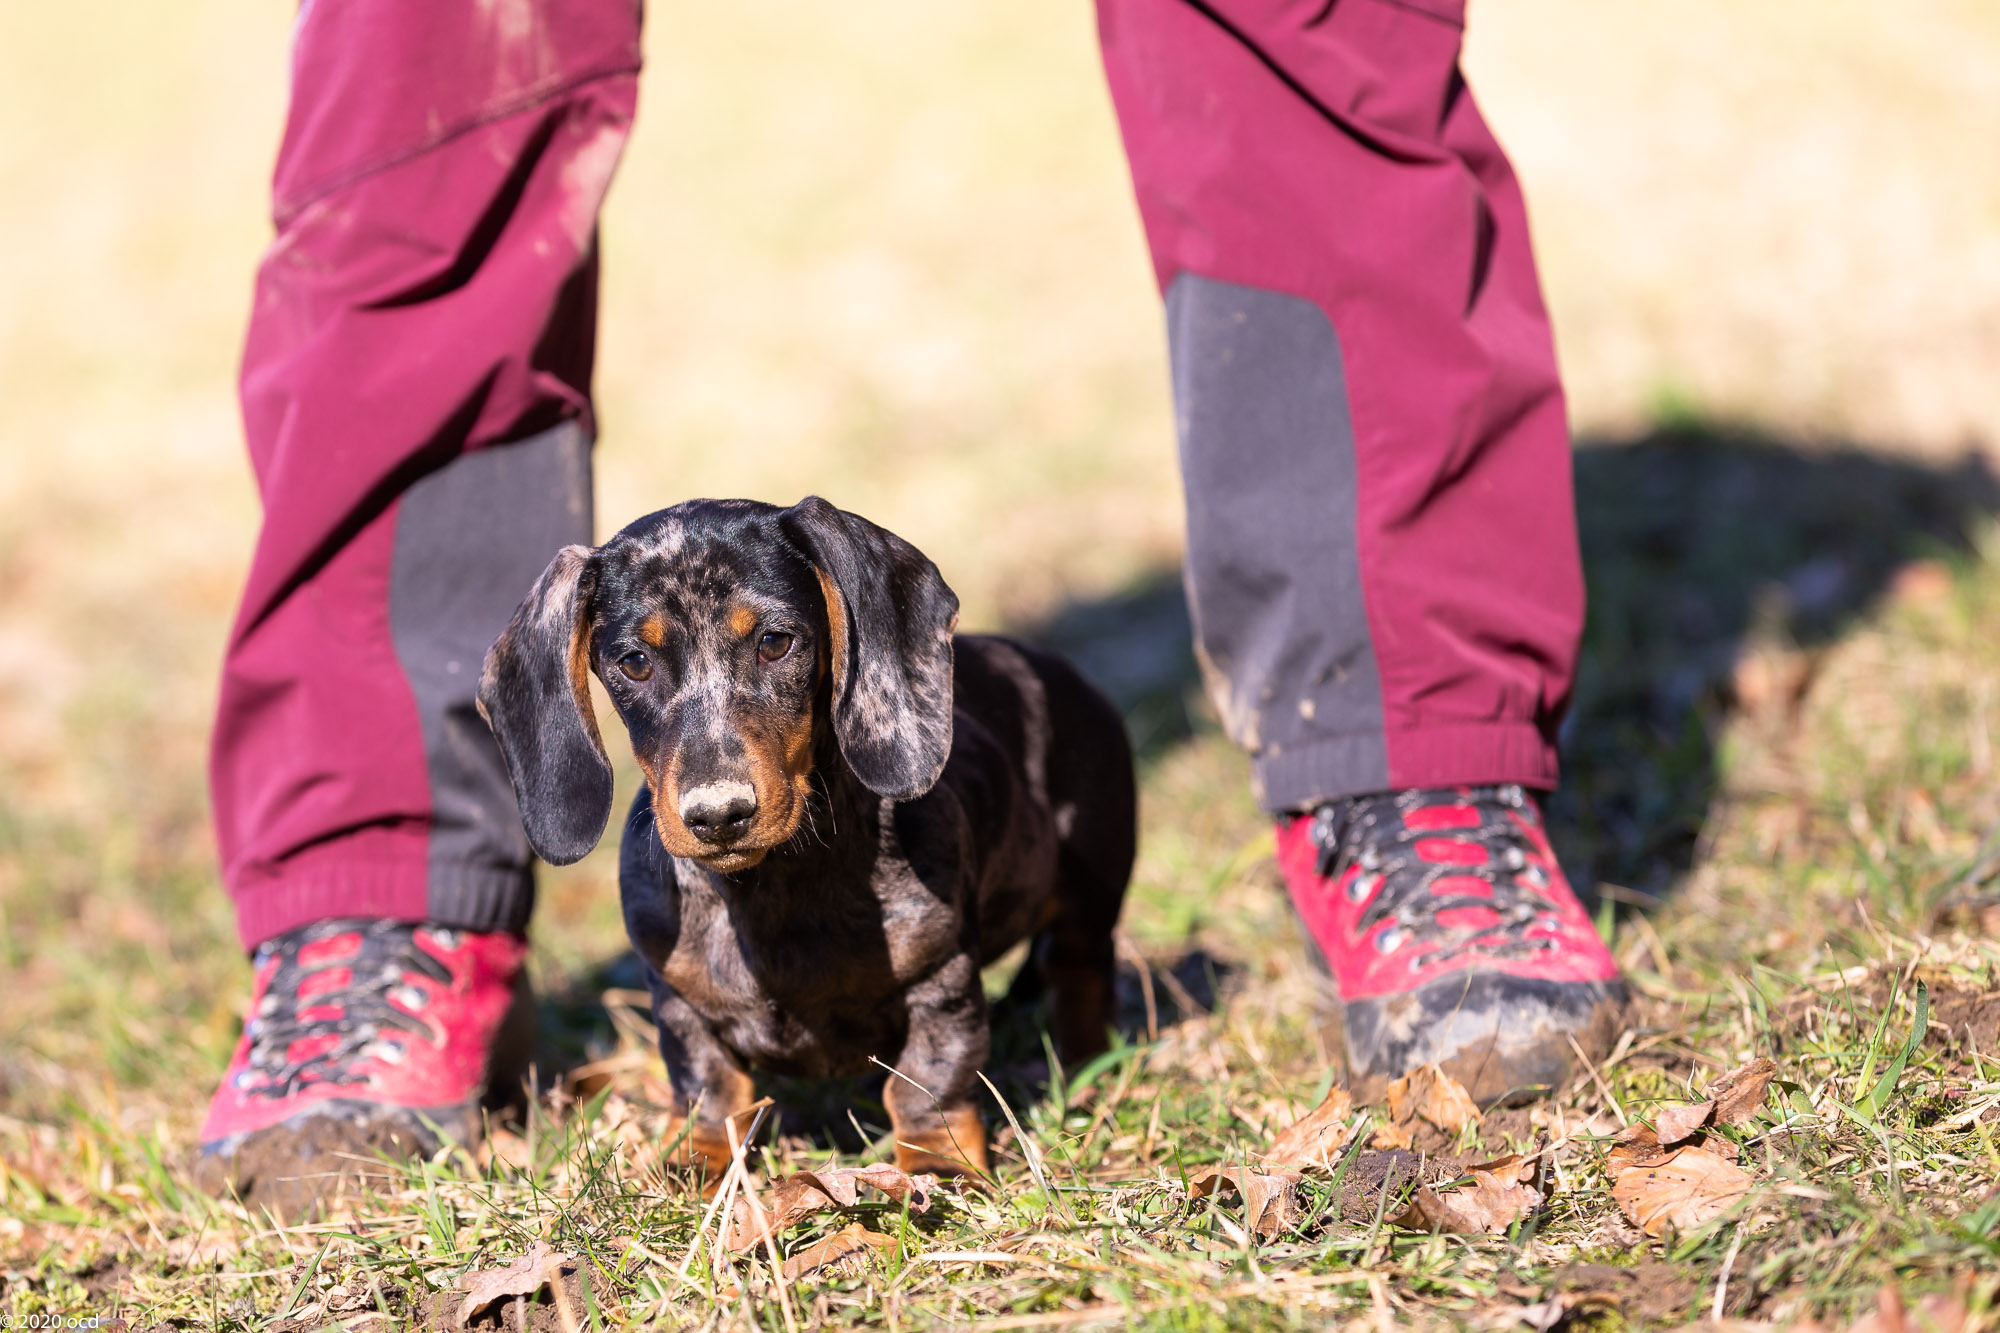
(848, 811)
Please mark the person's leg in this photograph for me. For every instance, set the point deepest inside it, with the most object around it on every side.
(1382, 558)
(416, 394)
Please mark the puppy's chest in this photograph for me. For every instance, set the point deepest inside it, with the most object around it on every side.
(814, 981)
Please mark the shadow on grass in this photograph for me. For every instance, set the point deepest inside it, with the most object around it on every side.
(1697, 539)
(1138, 647)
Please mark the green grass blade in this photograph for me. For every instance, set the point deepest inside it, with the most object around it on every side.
(1875, 1043)
(1878, 1100)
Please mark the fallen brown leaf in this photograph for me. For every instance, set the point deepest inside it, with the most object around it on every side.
(1939, 1312)
(505, 1146)
(1636, 1146)
(1683, 1121)
(1433, 1095)
(1640, 1147)
(845, 1243)
(1496, 1195)
(1679, 1187)
(1314, 1140)
(1390, 1137)
(1563, 1305)
(1270, 1199)
(526, 1276)
(194, 1252)
(1741, 1093)
(1732, 1099)
(806, 1192)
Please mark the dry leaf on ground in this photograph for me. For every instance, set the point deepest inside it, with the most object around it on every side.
(1555, 1309)
(506, 1147)
(526, 1276)
(1433, 1095)
(1636, 1146)
(1677, 1187)
(1496, 1195)
(203, 1250)
(1732, 1099)
(806, 1192)
(1270, 1199)
(1675, 1123)
(1640, 1146)
(845, 1243)
(1389, 1137)
(1936, 1313)
(1741, 1093)
(1314, 1140)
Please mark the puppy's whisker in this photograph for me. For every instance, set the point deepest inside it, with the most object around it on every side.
(811, 825)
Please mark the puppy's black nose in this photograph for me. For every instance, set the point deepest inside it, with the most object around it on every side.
(719, 812)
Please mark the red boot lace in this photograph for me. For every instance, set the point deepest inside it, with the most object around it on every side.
(1396, 882)
(313, 1025)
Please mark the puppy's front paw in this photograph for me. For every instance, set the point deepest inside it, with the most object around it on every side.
(951, 1144)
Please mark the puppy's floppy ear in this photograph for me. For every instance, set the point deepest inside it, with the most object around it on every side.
(535, 694)
(891, 617)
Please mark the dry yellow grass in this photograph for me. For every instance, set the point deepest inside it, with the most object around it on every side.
(1785, 212)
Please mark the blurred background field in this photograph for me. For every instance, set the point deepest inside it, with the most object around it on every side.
(886, 251)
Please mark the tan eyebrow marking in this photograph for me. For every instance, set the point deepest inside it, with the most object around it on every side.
(742, 620)
(653, 630)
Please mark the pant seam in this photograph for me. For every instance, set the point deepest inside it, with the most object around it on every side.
(1424, 11)
(526, 100)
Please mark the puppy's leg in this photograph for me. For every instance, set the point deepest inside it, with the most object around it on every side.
(1077, 954)
(930, 1096)
(1092, 792)
(712, 1092)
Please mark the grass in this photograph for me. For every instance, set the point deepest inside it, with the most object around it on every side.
(886, 252)
(1844, 851)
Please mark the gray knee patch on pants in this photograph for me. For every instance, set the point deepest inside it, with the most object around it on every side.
(471, 538)
(1273, 566)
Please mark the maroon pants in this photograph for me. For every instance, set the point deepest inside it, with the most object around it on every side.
(1381, 545)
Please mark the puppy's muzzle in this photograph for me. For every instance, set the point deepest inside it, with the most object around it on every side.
(719, 813)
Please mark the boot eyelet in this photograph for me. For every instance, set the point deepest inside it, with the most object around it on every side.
(1389, 940)
(1362, 887)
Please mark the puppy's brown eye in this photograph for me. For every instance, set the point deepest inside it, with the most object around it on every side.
(774, 646)
(636, 665)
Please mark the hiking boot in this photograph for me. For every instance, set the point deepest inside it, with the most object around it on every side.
(367, 1040)
(1452, 938)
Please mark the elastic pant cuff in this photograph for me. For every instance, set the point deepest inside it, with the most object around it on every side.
(481, 898)
(471, 897)
(1297, 778)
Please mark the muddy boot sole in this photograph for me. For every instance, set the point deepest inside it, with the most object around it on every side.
(1508, 1040)
(332, 1152)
